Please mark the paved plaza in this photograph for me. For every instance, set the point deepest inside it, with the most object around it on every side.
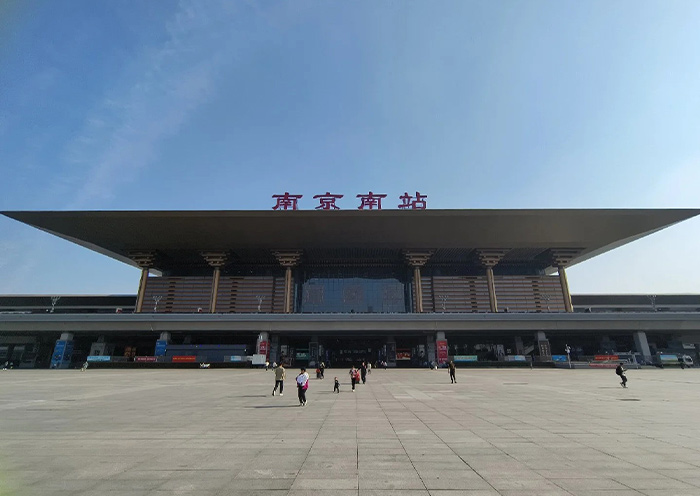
(406, 432)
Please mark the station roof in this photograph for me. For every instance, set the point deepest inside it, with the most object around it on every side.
(528, 235)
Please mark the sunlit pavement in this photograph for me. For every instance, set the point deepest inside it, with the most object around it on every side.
(407, 432)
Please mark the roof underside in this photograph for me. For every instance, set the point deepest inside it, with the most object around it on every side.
(250, 236)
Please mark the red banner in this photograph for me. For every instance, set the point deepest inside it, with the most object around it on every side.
(263, 349)
(184, 358)
(145, 359)
(442, 353)
(603, 358)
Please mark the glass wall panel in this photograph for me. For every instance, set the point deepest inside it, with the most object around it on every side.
(354, 290)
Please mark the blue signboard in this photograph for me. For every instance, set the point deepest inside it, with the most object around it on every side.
(466, 358)
(236, 358)
(559, 358)
(99, 358)
(161, 346)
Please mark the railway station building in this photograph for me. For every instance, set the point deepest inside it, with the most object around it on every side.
(406, 287)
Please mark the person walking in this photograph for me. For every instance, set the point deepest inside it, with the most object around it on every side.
(363, 372)
(369, 367)
(620, 370)
(322, 368)
(353, 377)
(336, 386)
(452, 368)
(280, 376)
(302, 386)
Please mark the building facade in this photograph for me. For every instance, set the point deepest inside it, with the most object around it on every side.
(406, 287)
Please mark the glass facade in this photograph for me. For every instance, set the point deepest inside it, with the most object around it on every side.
(354, 290)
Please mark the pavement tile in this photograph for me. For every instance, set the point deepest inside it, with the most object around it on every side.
(405, 432)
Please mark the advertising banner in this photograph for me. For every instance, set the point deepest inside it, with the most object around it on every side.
(184, 358)
(236, 358)
(559, 358)
(442, 354)
(668, 358)
(403, 354)
(263, 348)
(145, 359)
(516, 358)
(604, 358)
(466, 358)
(99, 358)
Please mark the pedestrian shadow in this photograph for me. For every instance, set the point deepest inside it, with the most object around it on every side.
(273, 406)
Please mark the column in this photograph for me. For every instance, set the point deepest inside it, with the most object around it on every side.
(418, 259)
(565, 289)
(642, 345)
(489, 258)
(262, 347)
(543, 345)
(162, 344)
(216, 260)
(144, 259)
(441, 347)
(288, 259)
(560, 258)
(62, 351)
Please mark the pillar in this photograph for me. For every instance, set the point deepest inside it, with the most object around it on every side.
(560, 258)
(489, 258)
(565, 289)
(493, 302)
(642, 345)
(144, 259)
(441, 347)
(519, 346)
(62, 351)
(162, 344)
(262, 347)
(543, 345)
(216, 260)
(288, 259)
(418, 259)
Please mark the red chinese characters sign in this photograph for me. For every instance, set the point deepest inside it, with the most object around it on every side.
(442, 354)
(262, 348)
(369, 201)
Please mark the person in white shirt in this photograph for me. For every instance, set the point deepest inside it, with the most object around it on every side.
(302, 386)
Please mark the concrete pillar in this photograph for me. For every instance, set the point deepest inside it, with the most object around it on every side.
(288, 259)
(162, 344)
(519, 346)
(545, 350)
(430, 350)
(441, 347)
(641, 344)
(491, 284)
(144, 259)
(419, 289)
(262, 347)
(288, 290)
(215, 289)
(62, 352)
(565, 289)
(418, 259)
(142, 289)
(216, 260)
(489, 258)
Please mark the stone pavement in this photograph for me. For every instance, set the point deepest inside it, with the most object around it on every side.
(406, 432)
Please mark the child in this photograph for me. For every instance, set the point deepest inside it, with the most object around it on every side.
(336, 386)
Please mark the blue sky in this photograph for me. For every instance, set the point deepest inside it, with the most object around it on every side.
(219, 105)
